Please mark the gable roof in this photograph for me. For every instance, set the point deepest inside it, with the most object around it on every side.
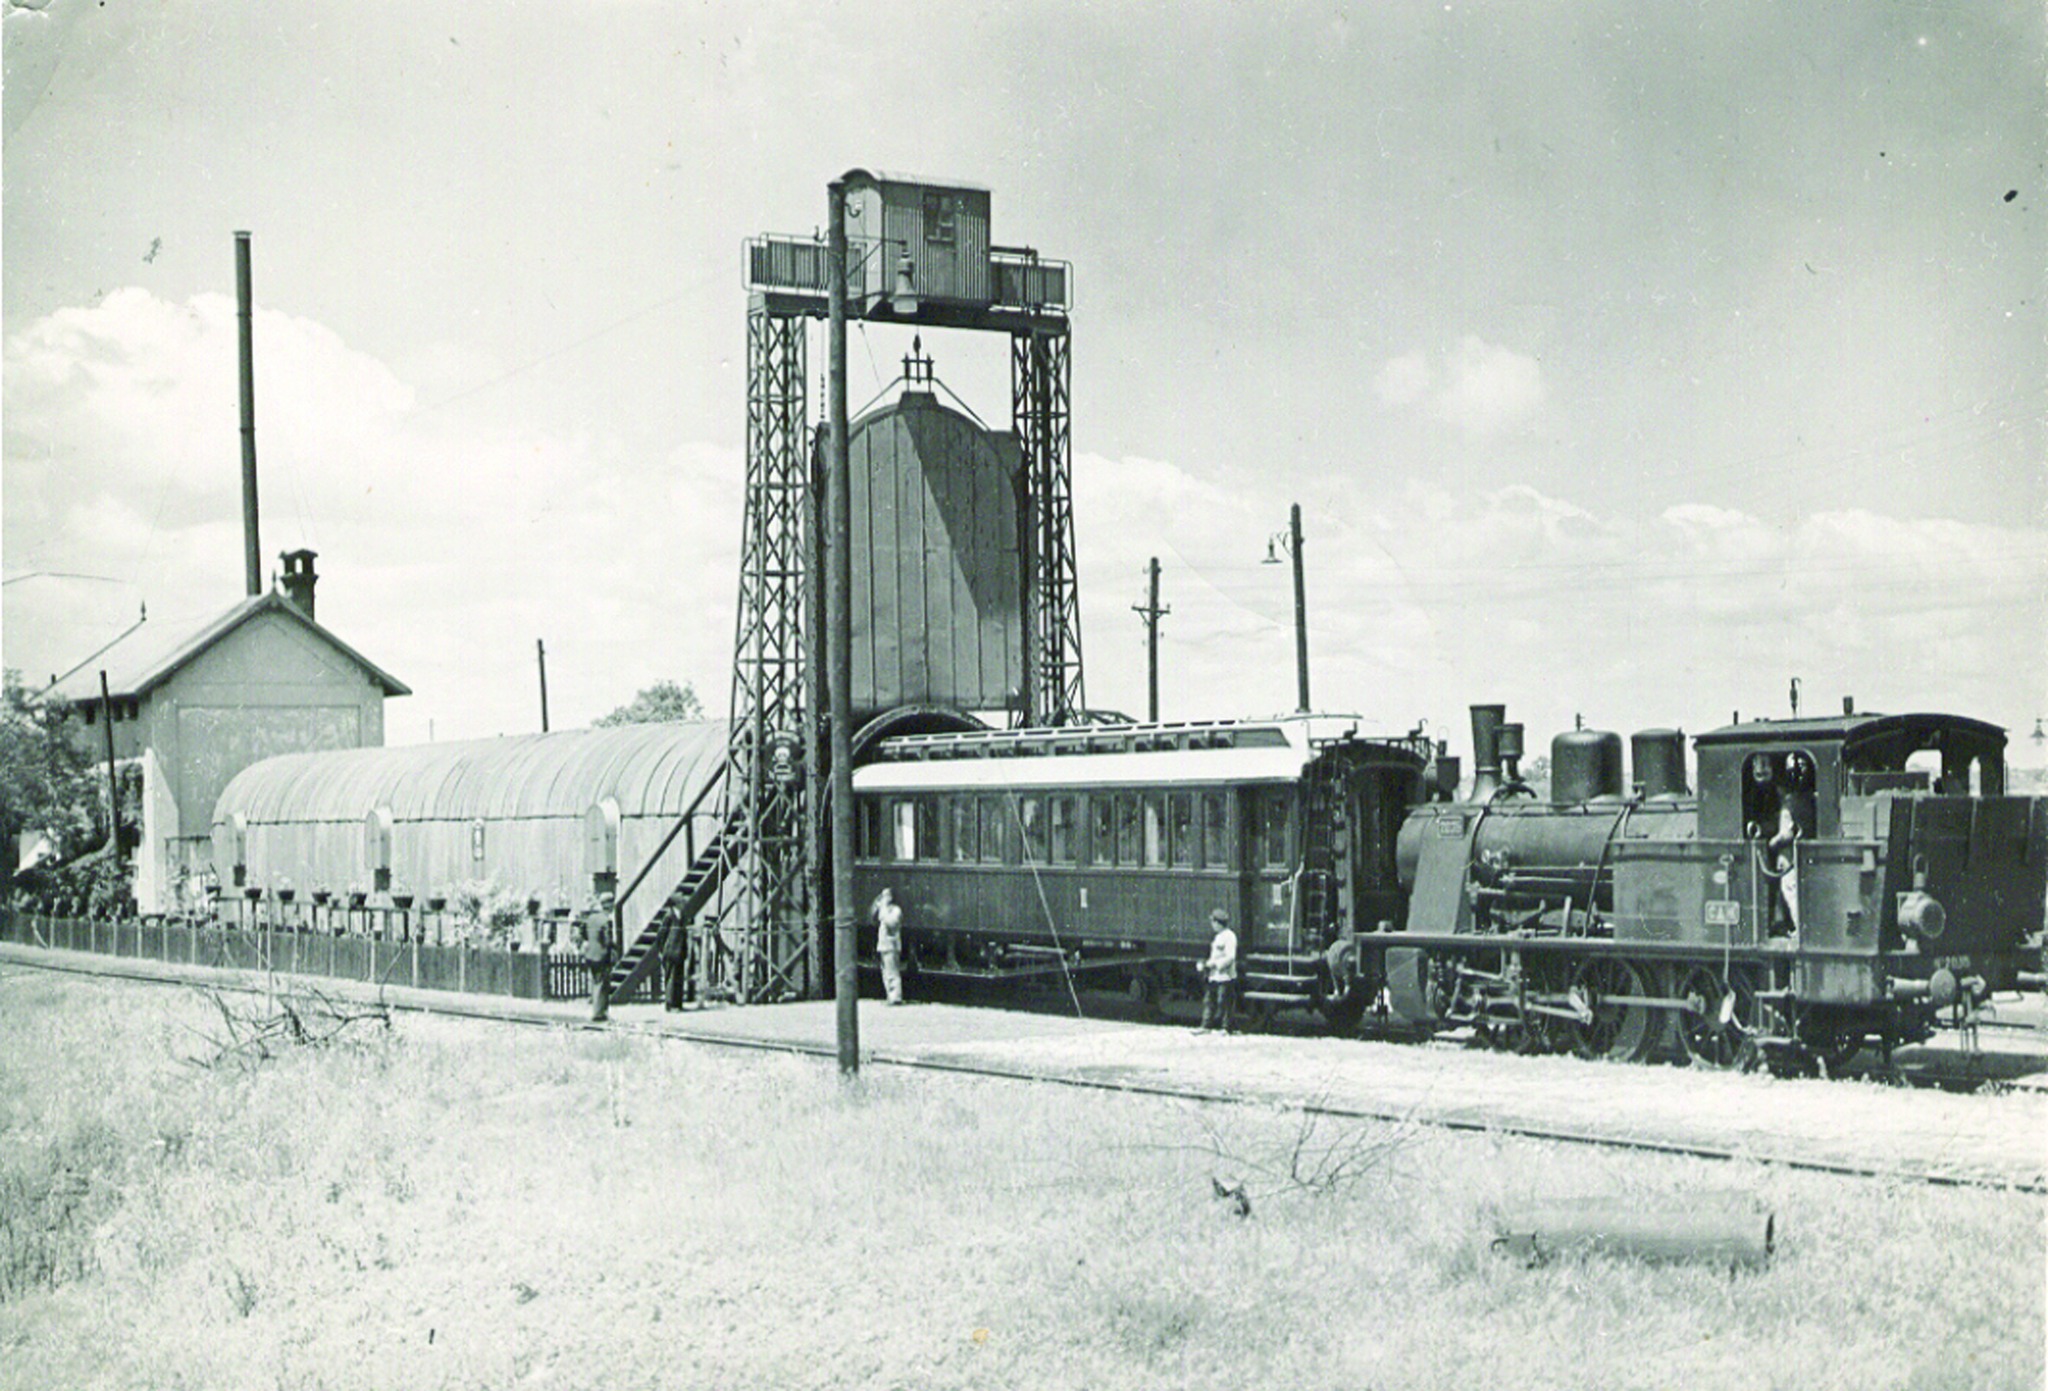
(148, 654)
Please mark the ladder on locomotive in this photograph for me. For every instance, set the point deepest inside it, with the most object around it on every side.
(1289, 974)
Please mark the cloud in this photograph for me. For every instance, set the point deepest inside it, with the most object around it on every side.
(448, 545)
(1403, 379)
(1480, 388)
(1423, 598)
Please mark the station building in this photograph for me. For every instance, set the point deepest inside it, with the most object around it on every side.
(195, 705)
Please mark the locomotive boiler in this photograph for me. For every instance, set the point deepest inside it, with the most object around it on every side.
(1832, 882)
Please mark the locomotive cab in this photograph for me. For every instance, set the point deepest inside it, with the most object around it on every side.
(1881, 854)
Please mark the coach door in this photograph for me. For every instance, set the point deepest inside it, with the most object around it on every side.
(1268, 818)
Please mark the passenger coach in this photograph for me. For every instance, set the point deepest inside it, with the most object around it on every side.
(1103, 849)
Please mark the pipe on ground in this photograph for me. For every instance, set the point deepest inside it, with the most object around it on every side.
(1730, 1229)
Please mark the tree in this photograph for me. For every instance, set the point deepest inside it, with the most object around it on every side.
(662, 703)
(46, 781)
(50, 784)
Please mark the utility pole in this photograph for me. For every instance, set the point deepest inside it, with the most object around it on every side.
(1300, 604)
(541, 650)
(839, 642)
(1152, 613)
(113, 783)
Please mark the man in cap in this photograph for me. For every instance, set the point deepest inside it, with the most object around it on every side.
(1219, 998)
(600, 952)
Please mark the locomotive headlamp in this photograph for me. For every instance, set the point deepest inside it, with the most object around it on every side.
(1922, 914)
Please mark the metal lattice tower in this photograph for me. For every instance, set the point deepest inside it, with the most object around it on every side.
(1041, 381)
(762, 911)
(767, 910)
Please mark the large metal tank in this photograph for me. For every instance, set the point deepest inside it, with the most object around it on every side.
(938, 564)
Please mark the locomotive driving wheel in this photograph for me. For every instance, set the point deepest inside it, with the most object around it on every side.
(1613, 1030)
(1717, 1025)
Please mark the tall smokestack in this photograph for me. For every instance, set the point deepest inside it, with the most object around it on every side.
(252, 550)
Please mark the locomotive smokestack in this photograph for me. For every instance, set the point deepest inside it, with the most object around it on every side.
(252, 551)
(1508, 744)
(1486, 723)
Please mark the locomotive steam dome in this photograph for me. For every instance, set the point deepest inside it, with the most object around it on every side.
(1584, 764)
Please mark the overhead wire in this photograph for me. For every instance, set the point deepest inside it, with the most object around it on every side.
(612, 327)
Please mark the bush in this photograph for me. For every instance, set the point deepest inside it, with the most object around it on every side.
(491, 916)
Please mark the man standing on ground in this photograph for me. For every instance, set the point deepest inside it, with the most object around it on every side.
(675, 938)
(599, 952)
(1219, 999)
(889, 944)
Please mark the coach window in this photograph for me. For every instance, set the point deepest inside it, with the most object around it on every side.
(1031, 821)
(1102, 845)
(1270, 824)
(965, 841)
(992, 814)
(1129, 835)
(1216, 831)
(1180, 819)
(1061, 810)
(904, 813)
(928, 829)
(1155, 830)
(867, 829)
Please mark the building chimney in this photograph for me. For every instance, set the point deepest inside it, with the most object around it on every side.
(298, 579)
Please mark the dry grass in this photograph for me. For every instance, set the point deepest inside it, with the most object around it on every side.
(463, 1204)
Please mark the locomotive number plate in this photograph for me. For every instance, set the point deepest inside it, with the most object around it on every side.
(1450, 827)
(1723, 912)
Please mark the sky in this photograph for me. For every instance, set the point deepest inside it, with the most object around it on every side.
(1627, 361)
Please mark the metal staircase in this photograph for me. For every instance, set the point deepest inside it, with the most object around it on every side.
(699, 882)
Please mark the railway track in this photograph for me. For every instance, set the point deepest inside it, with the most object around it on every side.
(1125, 1060)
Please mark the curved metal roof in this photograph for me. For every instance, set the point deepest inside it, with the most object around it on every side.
(649, 770)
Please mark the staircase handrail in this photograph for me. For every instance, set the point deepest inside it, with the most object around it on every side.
(688, 816)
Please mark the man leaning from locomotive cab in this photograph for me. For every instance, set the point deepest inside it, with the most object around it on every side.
(1796, 821)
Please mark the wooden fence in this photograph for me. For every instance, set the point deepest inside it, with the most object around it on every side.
(522, 975)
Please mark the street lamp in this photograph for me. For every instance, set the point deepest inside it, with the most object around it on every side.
(1290, 541)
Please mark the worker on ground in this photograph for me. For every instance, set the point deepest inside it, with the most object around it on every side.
(888, 917)
(599, 952)
(675, 945)
(1219, 996)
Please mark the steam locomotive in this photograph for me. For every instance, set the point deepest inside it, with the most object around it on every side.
(1833, 882)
